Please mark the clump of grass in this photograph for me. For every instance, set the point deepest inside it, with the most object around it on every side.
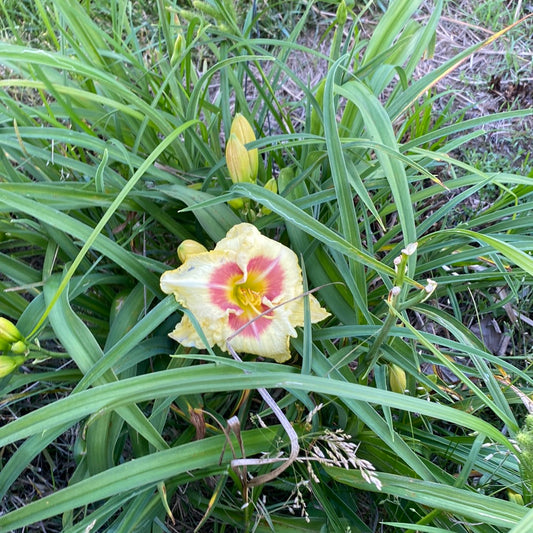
(113, 153)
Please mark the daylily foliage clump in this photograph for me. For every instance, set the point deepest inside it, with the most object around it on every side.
(120, 127)
(247, 291)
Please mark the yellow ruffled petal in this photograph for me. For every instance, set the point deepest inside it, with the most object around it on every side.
(274, 343)
(318, 313)
(275, 346)
(190, 286)
(185, 334)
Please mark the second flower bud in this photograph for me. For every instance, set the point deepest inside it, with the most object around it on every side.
(243, 164)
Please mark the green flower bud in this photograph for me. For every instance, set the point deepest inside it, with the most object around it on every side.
(243, 164)
(188, 248)
(236, 203)
(9, 363)
(242, 129)
(179, 47)
(4, 346)
(237, 161)
(397, 378)
(342, 13)
(270, 185)
(8, 331)
(19, 347)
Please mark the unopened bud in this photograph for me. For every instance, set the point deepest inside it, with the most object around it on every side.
(430, 287)
(515, 497)
(397, 262)
(410, 249)
(238, 161)
(188, 248)
(397, 379)
(242, 129)
(393, 294)
(19, 347)
(243, 164)
(8, 331)
(342, 13)
(272, 186)
(179, 47)
(236, 203)
(9, 363)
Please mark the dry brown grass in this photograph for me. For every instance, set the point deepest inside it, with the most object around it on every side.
(498, 77)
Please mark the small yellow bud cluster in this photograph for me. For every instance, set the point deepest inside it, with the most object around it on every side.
(9, 363)
(243, 163)
(11, 340)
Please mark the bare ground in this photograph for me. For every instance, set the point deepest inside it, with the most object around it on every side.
(497, 77)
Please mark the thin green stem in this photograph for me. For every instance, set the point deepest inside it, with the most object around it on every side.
(371, 357)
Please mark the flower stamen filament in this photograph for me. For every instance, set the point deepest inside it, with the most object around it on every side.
(249, 298)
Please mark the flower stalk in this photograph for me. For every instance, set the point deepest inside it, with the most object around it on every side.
(371, 357)
(397, 302)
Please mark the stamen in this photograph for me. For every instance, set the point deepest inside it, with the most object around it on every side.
(249, 298)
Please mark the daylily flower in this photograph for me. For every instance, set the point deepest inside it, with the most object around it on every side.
(247, 274)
